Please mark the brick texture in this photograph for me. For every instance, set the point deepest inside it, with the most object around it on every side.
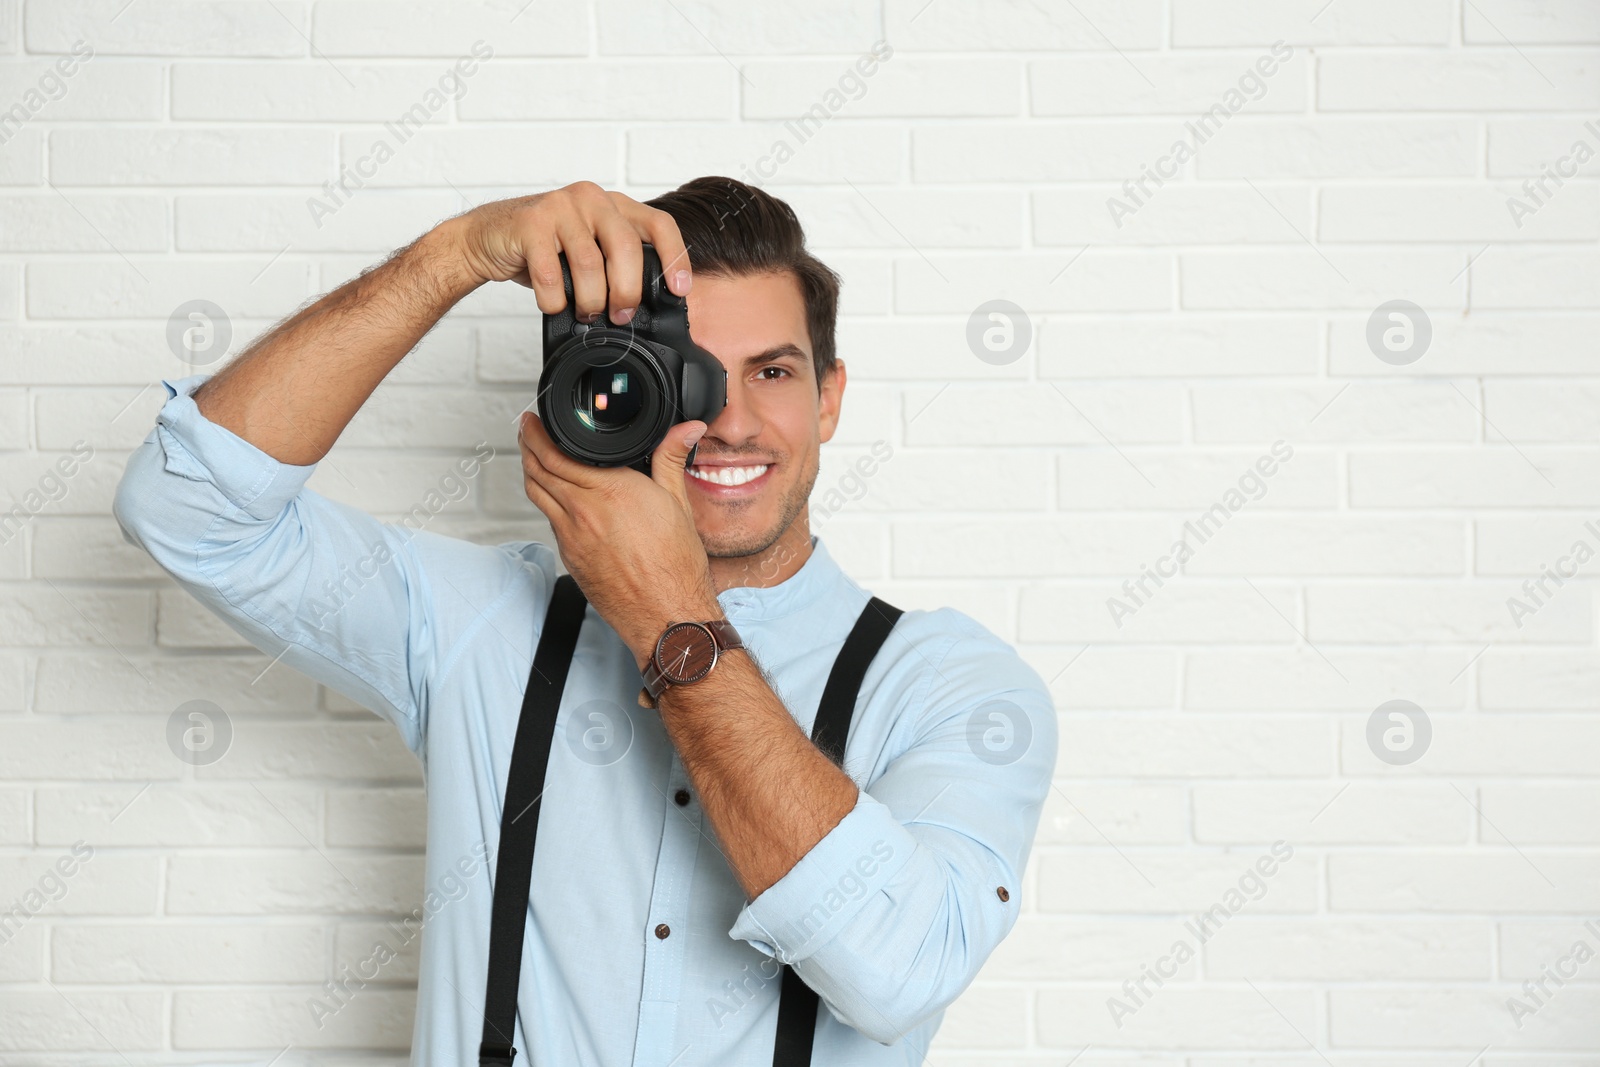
(1201, 210)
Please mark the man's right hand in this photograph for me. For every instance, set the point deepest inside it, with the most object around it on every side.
(279, 394)
(602, 234)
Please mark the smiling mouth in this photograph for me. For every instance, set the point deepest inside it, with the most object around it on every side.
(728, 475)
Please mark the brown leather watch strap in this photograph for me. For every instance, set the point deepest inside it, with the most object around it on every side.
(723, 636)
(727, 637)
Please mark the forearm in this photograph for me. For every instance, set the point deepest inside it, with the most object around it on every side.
(770, 794)
(293, 391)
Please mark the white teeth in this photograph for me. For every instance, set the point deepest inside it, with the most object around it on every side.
(728, 475)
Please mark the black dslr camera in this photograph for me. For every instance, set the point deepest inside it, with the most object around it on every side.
(608, 394)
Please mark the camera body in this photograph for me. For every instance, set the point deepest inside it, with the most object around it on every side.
(608, 394)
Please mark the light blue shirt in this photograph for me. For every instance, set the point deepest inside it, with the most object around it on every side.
(888, 917)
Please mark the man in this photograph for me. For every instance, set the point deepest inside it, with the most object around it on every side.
(684, 853)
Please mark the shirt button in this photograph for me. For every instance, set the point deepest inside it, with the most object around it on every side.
(681, 796)
(663, 931)
(1000, 891)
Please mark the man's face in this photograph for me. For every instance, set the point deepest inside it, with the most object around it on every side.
(767, 440)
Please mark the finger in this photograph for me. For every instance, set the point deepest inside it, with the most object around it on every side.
(587, 265)
(543, 499)
(543, 270)
(536, 481)
(530, 235)
(672, 455)
(624, 254)
(559, 472)
(661, 230)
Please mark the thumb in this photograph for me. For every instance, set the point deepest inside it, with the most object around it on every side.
(672, 455)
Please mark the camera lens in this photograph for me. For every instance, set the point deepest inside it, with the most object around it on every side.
(607, 398)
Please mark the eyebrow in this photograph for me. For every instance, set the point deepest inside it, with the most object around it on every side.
(772, 355)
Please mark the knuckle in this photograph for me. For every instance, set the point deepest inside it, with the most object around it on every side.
(664, 225)
(533, 230)
(547, 274)
(625, 259)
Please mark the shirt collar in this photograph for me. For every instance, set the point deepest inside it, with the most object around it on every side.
(816, 576)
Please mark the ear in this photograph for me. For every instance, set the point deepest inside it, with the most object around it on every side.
(829, 401)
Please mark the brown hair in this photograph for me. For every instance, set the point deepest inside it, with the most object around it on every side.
(732, 228)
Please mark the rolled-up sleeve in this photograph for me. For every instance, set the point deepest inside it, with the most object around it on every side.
(337, 594)
(890, 916)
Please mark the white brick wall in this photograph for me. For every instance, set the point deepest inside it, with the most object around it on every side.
(1229, 311)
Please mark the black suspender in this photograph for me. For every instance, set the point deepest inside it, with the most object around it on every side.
(797, 1002)
(519, 818)
(530, 756)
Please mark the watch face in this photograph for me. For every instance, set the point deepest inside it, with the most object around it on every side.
(686, 653)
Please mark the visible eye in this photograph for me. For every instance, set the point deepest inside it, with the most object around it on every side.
(776, 370)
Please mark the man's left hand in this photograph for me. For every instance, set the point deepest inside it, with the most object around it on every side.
(629, 540)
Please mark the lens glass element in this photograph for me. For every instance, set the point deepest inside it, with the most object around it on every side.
(606, 399)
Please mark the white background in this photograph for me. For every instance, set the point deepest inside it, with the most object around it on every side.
(1228, 312)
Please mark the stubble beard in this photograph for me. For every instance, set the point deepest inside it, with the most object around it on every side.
(752, 545)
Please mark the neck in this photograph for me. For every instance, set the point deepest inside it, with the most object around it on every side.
(775, 564)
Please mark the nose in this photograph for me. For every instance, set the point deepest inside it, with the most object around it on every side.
(739, 422)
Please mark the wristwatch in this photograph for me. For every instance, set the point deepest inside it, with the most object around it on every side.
(685, 653)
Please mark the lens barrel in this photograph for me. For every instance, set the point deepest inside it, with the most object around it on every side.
(607, 426)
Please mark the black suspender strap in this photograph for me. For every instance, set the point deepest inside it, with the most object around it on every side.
(798, 1002)
(519, 823)
(519, 819)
